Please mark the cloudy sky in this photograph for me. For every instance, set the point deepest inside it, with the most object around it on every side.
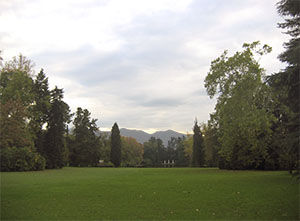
(140, 63)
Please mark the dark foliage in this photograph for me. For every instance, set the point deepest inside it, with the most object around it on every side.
(85, 146)
(198, 157)
(21, 159)
(115, 153)
(54, 148)
(285, 85)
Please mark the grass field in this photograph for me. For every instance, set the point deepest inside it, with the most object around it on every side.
(156, 194)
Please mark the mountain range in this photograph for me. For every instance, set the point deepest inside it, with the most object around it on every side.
(142, 136)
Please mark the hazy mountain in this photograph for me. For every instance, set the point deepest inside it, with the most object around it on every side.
(142, 136)
(165, 136)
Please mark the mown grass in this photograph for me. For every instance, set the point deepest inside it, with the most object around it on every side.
(154, 193)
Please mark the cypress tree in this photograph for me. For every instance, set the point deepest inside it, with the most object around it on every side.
(115, 153)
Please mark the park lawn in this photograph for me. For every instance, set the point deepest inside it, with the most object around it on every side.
(149, 193)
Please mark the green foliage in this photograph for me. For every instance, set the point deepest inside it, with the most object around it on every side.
(40, 109)
(16, 114)
(15, 99)
(21, 159)
(132, 152)
(154, 152)
(242, 110)
(115, 153)
(198, 156)
(55, 144)
(105, 147)
(188, 148)
(285, 86)
(85, 149)
(211, 145)
(175, 151)
(14, 131)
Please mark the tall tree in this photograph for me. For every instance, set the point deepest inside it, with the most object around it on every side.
(16, 98)
(198, 147)
(243, 115)
(59, 116)
(40, 109)
(286, 87)
(17, 151)
(85, 150)
(115, 153)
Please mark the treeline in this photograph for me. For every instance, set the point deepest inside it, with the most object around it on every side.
(35, 131)
(35, 134)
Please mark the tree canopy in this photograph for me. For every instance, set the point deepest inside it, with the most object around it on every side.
(242, 110)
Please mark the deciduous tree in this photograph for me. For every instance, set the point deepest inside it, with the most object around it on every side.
(132, 152)
(243, 115)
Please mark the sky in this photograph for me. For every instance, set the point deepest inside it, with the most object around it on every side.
(140, 63)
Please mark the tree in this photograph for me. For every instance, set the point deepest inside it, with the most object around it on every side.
(154, 152)
(175, 151)
(198, 148)
(188, 148)
(105, 147)
(115, 153)
(285, 85)
(211, 145)
(85, 150)
(16, 98)
(59, 116)
(40, 109)
(243, 115)
(132, 152)
(171, 149)
(14, 131)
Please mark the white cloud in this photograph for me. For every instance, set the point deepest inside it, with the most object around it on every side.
(140, 63)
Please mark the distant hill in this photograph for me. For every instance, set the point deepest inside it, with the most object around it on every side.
(142, 136)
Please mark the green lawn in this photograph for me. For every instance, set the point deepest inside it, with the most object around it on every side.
(144, 193)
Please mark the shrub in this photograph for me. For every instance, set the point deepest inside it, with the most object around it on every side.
(21, 159)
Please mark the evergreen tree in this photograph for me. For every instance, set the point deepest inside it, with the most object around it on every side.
(59, 115)
(40, 109)
(286, 88)
(85, 150)
(115, 153)
(198, 149)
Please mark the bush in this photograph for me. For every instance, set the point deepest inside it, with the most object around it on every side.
(21, 159)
